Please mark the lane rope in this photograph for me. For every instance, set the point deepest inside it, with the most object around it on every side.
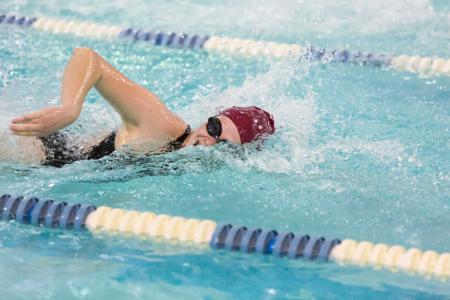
(225, 236)
(415, 64)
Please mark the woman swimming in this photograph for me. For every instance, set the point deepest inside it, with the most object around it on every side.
(148, 125)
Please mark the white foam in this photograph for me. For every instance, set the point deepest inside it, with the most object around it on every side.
(290, 151)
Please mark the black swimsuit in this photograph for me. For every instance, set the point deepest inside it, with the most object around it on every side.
(58, 154)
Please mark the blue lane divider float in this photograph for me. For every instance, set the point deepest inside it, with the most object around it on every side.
(13, 20)
(414, 64)
(239, 238)
(46, 213)
(173, 39)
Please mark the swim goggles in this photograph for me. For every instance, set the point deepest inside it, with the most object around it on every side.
(214, 128)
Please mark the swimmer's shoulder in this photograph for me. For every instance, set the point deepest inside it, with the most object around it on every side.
(137, 141)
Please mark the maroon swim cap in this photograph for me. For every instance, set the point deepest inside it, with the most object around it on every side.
(252, 122)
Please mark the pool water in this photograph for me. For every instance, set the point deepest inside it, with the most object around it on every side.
(359, 152)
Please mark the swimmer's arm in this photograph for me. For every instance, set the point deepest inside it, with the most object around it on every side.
(137, 106)
(80, 74)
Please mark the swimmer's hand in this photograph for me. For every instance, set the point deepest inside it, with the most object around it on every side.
(42, 122)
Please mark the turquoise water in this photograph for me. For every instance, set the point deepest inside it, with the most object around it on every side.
(359, 152)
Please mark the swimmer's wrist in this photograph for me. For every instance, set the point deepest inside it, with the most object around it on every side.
(70, 113)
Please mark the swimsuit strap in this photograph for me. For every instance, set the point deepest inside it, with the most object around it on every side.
(178, 143)
(104, 148)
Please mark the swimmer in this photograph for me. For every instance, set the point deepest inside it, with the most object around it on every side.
(148, 125)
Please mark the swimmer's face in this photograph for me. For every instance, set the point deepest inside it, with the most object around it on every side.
(200, 135)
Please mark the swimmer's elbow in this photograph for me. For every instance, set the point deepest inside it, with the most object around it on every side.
(90, 57)
(83, 51)
(86, 54)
